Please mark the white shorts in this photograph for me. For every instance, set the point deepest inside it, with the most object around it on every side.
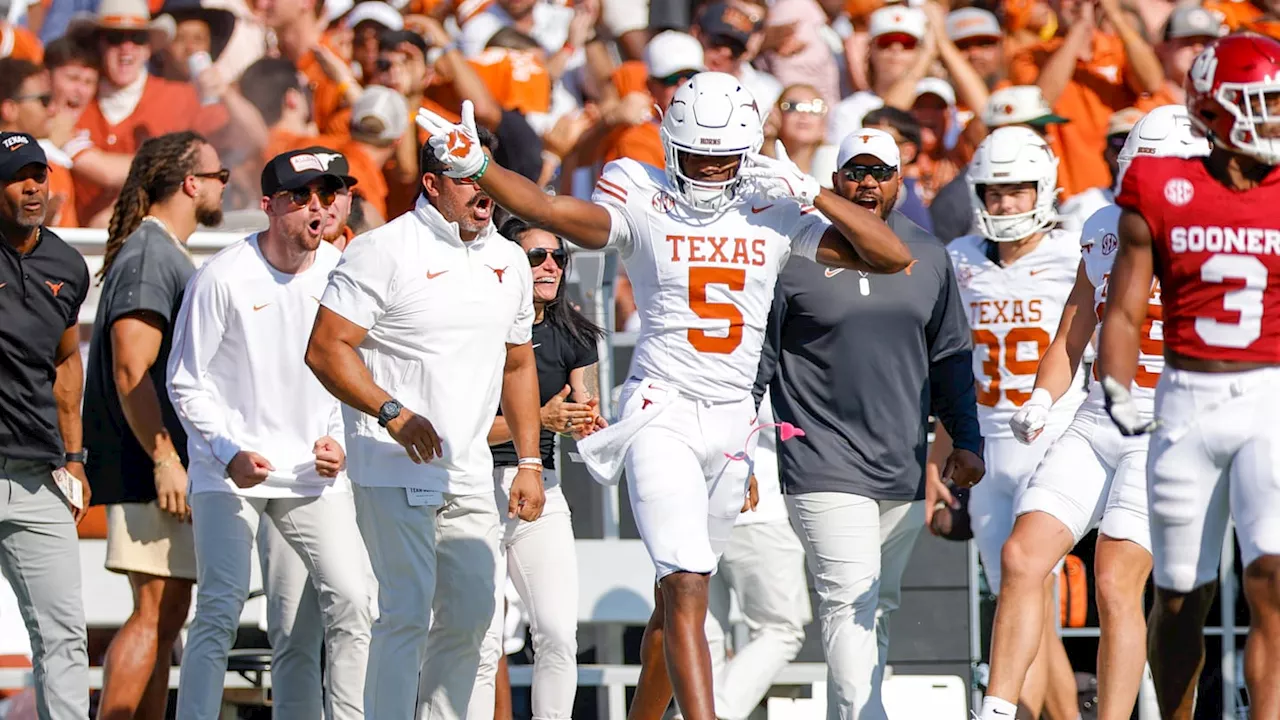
(1093, 477)
(686, 491)
(1216, 451)
(1010, 465)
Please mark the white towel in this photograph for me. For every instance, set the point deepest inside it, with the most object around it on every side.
(605, 450)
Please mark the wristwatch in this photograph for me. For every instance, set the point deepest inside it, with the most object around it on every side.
(389, 411)
(76, 457)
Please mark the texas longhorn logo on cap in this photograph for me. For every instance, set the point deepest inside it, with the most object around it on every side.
(307, 161)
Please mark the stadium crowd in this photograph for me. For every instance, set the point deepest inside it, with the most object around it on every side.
(983, 138)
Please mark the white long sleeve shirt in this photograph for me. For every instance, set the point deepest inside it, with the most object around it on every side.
(238, 379)
(440, 313)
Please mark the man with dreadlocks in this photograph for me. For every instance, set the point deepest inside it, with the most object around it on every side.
(139, 450)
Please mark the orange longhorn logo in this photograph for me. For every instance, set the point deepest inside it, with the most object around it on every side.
(54, 287)
(459, 144)
(497, 271)
(866, 138)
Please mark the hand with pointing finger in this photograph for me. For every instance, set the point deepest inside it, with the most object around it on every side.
(457, 146)
(777, 178)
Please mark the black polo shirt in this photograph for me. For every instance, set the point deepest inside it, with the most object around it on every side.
(40, 297)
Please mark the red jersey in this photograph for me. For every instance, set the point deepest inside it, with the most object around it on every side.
(1217, 255)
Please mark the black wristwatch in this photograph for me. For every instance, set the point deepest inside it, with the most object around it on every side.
(389, 411)
(76, 457)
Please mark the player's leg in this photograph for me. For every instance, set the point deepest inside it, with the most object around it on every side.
(1062, 695)
(1122, 564)
(653, 689)
(1187, 495)
(294, 626)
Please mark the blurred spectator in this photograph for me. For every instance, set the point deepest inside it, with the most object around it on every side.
(368, 21)
(938, 163)
(895, 62)
(543, 21)
(196, 30)
(298, 26)
(727, 32)
(799, 120)
(977, 35)
(1078, 209)
(670, 60)
(402, 66)
(627, 21)
(18, 42)
(1189, 29)
(73, 75)
(906, 132)
(1236, 14)
(805, 57)
(58, 18)
(378, 122)
(1086, 74)
(26, 106)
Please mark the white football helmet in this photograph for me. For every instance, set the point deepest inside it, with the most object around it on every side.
(711, 114)
(1166, 131)
(1009, 156)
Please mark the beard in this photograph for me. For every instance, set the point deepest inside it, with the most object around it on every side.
(210, 217)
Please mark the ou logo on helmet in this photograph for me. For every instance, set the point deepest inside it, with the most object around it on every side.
(1204, 69)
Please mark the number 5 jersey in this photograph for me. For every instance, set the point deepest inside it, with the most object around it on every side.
(703, 281)
(1014, 313)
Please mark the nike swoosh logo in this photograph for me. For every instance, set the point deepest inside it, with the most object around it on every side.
(535, 347)
(256, 308)
(1037, 272)
(433, 276)
(3, 284)
(756, 210)
(832, 272)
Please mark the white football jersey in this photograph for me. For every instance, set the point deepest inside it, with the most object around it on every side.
(703, 281)
(1098, 249)
(1014, 312)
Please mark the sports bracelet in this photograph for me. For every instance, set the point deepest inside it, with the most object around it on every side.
(480, 173)
(530, 462)
(169, 459)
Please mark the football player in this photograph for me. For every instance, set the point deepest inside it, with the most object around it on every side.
(1015, 277)
(1091, 476)
(1209, 228)
(703, 240)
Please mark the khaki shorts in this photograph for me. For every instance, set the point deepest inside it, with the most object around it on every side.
(142, 538)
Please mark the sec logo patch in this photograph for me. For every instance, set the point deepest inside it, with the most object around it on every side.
(1179, 191)
(663, 203)
(1110, 243)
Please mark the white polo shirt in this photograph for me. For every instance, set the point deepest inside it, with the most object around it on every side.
(440, 314)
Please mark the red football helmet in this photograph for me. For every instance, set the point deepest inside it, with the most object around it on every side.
(1233, 88)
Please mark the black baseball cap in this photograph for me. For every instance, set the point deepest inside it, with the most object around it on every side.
(722, 20)
(18, 150)
(299, 168)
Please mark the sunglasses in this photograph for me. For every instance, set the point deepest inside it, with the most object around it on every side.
(301, 197)
(857, 173)
(888, 40)
(537, 256)
(120, 37)
(459, 181)
(806, 107)
(675, 79)
(222, 176)
(44, 99)
(976, 42)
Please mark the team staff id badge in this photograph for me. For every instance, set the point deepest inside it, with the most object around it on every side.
(430, 498)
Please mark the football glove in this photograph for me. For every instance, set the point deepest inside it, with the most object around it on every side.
(1123, 410)
(777, 178)
(455, 145)
(1029, 421)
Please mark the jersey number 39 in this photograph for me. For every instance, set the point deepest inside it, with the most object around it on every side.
(1007, 356)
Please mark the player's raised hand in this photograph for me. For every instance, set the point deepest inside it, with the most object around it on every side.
(455, 145)
(1123, 410)
(1029, 421)
(777, 178)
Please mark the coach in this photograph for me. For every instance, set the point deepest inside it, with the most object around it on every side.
(424, 327)
(43, 490)
(858, 363)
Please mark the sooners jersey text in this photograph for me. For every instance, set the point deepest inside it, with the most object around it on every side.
(703, 281)
(1217, 255)
(1014, 312)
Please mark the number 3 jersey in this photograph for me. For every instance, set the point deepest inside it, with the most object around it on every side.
(703, 281)
(1014, 313)
(1217, 256)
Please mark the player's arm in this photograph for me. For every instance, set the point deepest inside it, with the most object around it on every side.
(583, 223)
(857, 239)
(1075, 329)
(1128, 293)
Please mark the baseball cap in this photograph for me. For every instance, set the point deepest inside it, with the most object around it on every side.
(380, 115)
(725, 20)
(972, 22)
(18, 150)
(1190, 20)
(1122, 121)
(1019, 105)
(670, 52)
(378, 12)
(869, 141)
(298, 168)
(897, 19)
(936, 86)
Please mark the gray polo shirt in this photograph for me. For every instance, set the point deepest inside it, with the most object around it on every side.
(852, 354)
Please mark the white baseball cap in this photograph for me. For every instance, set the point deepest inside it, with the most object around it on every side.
(972, 22)
(380, 115)
(897, 19)
(869, 141)
(376, 11)
(936, 86)
(670, 52)
(1019, 105)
